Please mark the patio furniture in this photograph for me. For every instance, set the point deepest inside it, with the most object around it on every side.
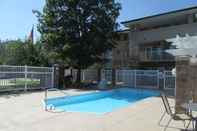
(174, 116)
(191, 107)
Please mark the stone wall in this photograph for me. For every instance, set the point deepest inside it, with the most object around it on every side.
(193, 78)
(186, 81)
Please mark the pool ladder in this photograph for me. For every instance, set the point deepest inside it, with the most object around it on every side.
(46, 96)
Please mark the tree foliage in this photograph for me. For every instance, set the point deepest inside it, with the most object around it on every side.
(12, 52)
(18, 52)
(78, 32)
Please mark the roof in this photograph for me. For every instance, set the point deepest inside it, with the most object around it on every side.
(162, 14)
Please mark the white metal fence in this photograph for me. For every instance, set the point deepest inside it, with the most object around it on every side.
(88, 75)
(25, 77)
(126, 77)
(169, 80)
(132, 78)
(28, 77)
(138, 78)
(107, 75)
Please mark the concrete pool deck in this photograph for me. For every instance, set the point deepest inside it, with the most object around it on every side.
(25, 112)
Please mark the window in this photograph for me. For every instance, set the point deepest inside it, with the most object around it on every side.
(148, 52)
(153, 53)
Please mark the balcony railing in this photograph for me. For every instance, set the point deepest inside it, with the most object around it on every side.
(156, 56)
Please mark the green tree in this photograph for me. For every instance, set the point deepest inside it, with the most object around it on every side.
(2, 53)
(35, 54)
(31, 54)
(18, 52)
(13, 52)
(78, 32)
(42, 53)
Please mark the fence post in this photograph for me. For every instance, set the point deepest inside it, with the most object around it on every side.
(164, 80)
(113, 77)
(175, 84)
(83, 75)
(25, 78)
(158, 79)
(135, 83)
(52, 77)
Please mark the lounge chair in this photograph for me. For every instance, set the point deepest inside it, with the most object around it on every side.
(174, 116)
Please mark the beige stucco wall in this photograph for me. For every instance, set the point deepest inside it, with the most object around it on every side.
(121, 55)
(164, 33)
(136, 37)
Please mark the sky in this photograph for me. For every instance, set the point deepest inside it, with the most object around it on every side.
(17, 19)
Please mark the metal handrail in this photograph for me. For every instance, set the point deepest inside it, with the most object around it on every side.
(53, 89)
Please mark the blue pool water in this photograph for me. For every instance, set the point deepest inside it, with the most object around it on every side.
(100, 102)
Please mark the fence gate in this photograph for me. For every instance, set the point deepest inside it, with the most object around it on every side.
(25, 77)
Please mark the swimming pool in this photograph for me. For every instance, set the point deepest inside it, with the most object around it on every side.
(100, 102)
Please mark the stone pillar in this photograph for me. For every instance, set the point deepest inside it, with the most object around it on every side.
(186, 81)
(182, 87)
(193, 78)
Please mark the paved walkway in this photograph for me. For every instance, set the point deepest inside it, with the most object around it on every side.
(25, 112)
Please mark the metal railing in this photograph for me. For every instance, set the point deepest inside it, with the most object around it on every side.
(156, 56)
(138, 78)
(147, 78)
(169, 80)
(25, 77)
(107, 75)
(46, 95)
(126, 77)
(132, 78)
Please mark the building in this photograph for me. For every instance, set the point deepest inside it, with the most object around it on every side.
(143, 45)
(120, 54)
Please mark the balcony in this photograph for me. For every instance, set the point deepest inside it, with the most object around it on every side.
(156, 56)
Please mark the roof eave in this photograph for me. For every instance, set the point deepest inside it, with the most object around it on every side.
(127, 23)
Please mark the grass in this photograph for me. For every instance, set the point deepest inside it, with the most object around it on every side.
(18, 82)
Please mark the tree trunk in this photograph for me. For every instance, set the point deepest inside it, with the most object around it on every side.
(113, 77)
(78, 81)
(99, 74)
(61, 76)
